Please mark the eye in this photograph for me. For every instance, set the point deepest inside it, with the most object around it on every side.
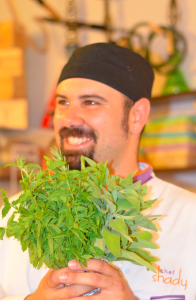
(91, 102)
(62, 102)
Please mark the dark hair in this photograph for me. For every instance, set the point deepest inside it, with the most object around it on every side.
(127, 105)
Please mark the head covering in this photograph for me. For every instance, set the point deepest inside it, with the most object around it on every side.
(115, 66)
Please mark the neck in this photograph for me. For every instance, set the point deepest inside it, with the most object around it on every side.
(123, 169)
(127, 162)
(124, 165)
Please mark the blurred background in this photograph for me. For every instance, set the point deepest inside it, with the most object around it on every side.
(36, 39)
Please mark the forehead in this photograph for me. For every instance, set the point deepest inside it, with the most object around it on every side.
(79, 86)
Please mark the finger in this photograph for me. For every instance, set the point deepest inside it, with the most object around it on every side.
(92, 279)
(95, 265)
(72, 291)
(52, 278)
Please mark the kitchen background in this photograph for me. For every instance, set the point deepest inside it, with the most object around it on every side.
(36, 38)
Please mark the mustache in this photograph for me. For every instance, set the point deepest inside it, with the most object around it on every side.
(66, 132)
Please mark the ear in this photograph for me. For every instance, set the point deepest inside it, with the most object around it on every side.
(139, 115)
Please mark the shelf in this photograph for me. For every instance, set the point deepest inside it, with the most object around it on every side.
(184, 102)
(175, 97)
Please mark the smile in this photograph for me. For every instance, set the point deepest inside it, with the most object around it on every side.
(77, 141)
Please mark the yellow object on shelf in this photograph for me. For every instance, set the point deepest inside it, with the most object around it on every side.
(11, 62)
(12, 87)
(169, 142)
(14, 114)
(13, 102)
(9, 36)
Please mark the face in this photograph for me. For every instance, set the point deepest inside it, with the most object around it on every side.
(88, 121)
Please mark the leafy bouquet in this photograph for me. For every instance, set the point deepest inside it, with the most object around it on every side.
(67, 214)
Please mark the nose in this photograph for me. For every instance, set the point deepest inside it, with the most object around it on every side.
(72, 117)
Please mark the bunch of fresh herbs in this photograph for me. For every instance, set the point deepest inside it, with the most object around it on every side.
(67, 214)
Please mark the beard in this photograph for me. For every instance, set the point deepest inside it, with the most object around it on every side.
(73, 157)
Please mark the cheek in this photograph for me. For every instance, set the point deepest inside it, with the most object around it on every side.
(102, 119)
(58, 124)
(58, 120)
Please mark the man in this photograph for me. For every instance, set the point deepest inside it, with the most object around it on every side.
(102, 106)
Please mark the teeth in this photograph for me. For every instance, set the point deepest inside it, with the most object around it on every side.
(77, 141)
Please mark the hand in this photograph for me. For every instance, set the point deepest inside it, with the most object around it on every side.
(104, 276)
(51, 287)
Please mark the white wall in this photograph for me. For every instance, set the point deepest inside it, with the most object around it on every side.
(42, 70)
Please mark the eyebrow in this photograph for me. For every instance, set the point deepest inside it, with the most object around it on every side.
(61, 96)
(87, 96)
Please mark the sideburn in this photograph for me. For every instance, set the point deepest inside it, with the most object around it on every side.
(127, 105)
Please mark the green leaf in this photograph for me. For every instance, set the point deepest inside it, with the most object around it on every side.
(133, 256)
(6, 201)
(94, 178)
(127, 237)
(5, 210)
(39, 229)
(105, 191)
(144, 235)
(114, 195)
(79, 235)
(33, 165)
(51, 245)
(23, 185)
(59, 235)
(39, 249)
(119, 225)
(86, 256)
(57, 164)
(111, 205)
(3, 192)
(136, 186)
(82, 162)
(112, 241)
(41, 174)
(134, 201)
(11, 164)
(107, 176)
(2, 232)
(39, 182)
(151, 226)
(99, 252)
(123, 204)
(112, 183)
(89, 161)
(101, 207)
(127, 181)
(69, 217)
(100, 244)
(127, 217)
(144, 254)
(143, 244)
(61, 218)
(93, 184)
(130, 193)
(55, 228)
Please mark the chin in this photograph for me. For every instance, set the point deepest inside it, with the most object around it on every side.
(73, 157)
(74, 162)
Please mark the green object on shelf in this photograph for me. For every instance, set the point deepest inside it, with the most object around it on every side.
(175, 83)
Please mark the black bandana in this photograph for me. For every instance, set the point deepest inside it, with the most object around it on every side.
(115, 66)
